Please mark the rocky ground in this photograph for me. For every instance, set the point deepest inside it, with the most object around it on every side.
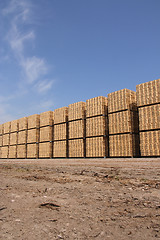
(80, 199)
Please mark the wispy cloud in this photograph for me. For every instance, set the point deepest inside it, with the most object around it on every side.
(34, 68)
(15, 5)
(44, 86)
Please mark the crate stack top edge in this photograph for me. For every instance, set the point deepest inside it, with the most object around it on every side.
(46, 118)
(96, 106)
(60, 115)
(33, 121)
(14, 126)
(1, 129)
(6, 127)
(22, 123)
(76, 111)
(120, 100)
(148, 93)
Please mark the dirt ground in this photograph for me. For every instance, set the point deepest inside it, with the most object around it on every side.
(80, 199)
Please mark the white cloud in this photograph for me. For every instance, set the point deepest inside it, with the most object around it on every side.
(34, 68)
(17, 40)
(44, 85)
(21, 7)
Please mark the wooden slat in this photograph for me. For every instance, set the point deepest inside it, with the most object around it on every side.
(148, 93)
(60, 149)
(45, 150)
(60, 115)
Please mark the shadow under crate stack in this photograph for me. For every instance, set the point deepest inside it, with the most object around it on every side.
(5, 139)
(76, 130)
(148, 101)
(22, 137)
(60, 145)
(33, 136)
(13, 139)
(123, 124)
(96, 127)
(46, 135)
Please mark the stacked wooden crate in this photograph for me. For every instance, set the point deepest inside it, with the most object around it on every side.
(60, 146)
(22, 137)
(76, 129)
(5, 139)
(1, 138)
(148, 101)
(33, 136)
(123, 124)
(46, 135)
(96, 127)
(13, 139)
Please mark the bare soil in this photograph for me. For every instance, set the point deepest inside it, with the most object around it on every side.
(80, 199)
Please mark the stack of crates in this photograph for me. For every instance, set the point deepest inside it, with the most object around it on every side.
(5, 140)
(60, 145)
(148, 101)
(1, 131)
(123, 124)
(46, 135)
(96, 127)
(76, 130)
(33, 136)
(13, 139)
(22, 137)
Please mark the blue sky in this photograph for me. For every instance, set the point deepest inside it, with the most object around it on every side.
(57, 52)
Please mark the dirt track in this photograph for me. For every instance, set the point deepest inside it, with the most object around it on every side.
(80, 199)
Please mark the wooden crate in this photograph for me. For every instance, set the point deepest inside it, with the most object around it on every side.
(13, 138)
(96, 126)
(46, 119)
(1, 141)
(148, 93)
(23, 123)
(32, 150)
(6, 139)
(21, 151)
(6, 127)
(4, 152)
(76, 148)
(60, 132)
(96, 106)
(60, 149)
(123, 122)
(14, 126)
(150, 143)
(96, 147)
(45, 150)
(76, 129)
(60, 115)
(124, 145)
(1, 129)
(121, 100)
(33, 135)
(34, 121)
(22, 137)
(46, 134)
(76, 111)
(12, 152)
(149, 117)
